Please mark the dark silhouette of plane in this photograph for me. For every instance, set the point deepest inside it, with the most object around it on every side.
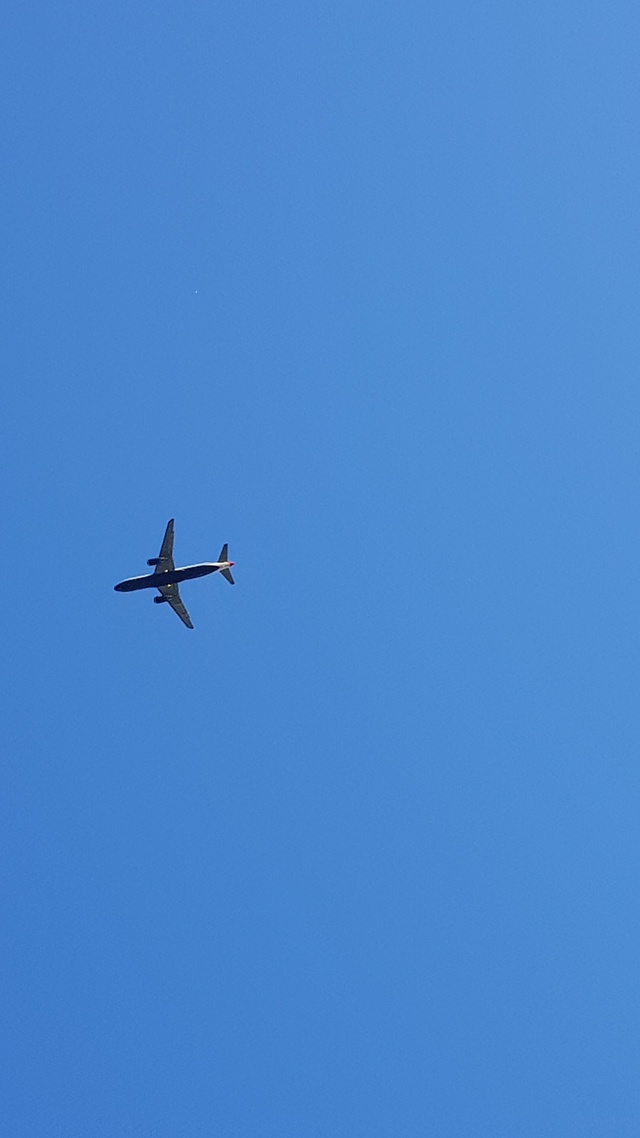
(166, 577)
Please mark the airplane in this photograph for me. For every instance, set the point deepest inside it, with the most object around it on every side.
(166, 577)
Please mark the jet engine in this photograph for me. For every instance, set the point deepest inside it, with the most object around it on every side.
(160, 600)
(153, 561)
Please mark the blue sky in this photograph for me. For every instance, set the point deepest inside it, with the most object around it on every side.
(355, 289)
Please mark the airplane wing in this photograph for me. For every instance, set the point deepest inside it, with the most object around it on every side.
(172, 593)
(165, 557)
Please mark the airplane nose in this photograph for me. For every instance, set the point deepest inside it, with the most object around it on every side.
(231, 563)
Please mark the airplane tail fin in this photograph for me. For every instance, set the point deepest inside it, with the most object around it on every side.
(224, 556)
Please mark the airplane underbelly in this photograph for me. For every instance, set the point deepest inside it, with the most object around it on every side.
(155, 580)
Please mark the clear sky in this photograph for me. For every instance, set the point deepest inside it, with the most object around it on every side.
(353, 287)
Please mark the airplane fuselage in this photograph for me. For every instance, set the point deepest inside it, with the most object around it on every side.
(170, 577)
